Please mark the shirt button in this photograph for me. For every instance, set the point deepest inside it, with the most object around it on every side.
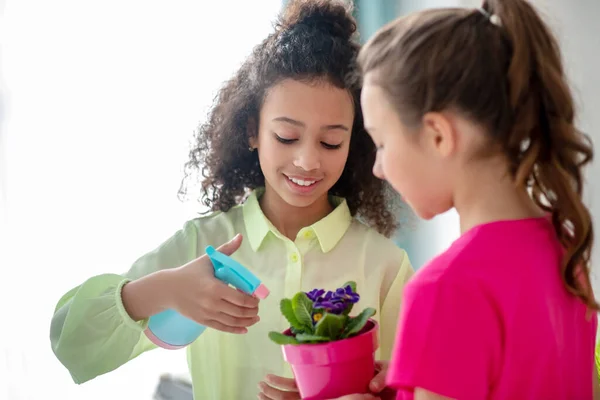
(294, 257)
(308, 234)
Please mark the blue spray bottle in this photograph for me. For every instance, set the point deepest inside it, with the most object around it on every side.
(171, 330)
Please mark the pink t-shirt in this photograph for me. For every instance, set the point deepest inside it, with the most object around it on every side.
(490, 318)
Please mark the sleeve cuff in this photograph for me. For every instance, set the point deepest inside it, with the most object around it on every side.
(139, 326)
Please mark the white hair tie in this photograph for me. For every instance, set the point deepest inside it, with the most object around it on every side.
(494, 19)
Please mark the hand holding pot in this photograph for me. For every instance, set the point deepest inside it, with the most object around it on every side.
(377, 386)
(278, 388)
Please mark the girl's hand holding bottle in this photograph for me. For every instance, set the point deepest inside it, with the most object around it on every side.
(194, 292)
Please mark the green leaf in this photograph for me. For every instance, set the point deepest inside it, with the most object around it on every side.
(330, 326)
(353, 286)
(287, 310)
(357, 323)
(296, 331)
(280, 338)
(303, 307)
(348, 309)
(308, 338)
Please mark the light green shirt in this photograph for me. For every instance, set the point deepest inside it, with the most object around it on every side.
(91, 333)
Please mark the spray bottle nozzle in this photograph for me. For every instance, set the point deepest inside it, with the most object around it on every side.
(232, 272)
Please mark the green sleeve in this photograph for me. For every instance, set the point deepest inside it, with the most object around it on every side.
(91, 333)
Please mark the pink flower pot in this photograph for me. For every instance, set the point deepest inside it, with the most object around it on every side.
(330, 370)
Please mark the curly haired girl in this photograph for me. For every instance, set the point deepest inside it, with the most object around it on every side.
(285, 163)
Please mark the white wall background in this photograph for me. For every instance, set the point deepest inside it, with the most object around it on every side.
(101, 101)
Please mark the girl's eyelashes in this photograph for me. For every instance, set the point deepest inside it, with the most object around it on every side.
(326, 145)
(331, 146)
(284, 140)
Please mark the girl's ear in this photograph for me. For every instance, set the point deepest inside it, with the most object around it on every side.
(438, 134)
(253, 143)
(252, 132)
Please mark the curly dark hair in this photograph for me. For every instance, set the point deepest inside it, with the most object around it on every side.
(313, 41)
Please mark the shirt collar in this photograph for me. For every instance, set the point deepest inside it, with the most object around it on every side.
(257, 225)
(328, 231)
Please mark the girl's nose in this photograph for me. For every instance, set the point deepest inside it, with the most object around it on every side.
(307, 158)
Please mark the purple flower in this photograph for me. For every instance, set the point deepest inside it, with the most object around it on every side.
(333, 306)
(314, 294)
(333, 302)
(347, 294)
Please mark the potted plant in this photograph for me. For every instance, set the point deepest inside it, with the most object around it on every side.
(331, 353)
